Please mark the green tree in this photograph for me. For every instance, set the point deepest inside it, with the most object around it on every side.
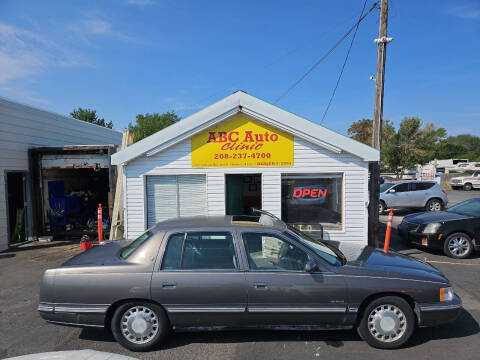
(411, 145)
(461, 146)
(90, 115)
(361, 130)
(148, 124)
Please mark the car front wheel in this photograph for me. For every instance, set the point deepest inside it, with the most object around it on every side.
(387, 323)
(458, 246)
(467, 187)
(140, 326)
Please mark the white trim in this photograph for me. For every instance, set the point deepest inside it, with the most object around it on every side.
(256, 309)
(250, 106)
(183, 136)
(125, 204)
(440, 307)
(74, 324)
(200, 309)
(343, 172)
(280, 126)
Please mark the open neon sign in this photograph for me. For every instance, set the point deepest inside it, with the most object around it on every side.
(309, 193)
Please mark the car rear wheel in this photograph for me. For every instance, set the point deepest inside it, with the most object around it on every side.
(467, 187)
(434, 205)
(387, 323)
(458, 246)
(140, 326)
(381, 207)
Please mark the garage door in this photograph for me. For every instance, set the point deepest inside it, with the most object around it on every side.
(175, 196)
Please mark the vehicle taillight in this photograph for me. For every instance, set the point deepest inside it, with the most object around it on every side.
(444, 192)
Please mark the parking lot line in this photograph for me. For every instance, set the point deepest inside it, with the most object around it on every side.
(451, 262)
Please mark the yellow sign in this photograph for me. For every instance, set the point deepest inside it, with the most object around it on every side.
(242, 142)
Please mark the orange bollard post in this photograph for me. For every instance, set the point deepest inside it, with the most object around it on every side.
(388, 232)
(100, 223)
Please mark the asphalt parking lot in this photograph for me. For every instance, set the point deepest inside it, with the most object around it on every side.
(23, 331)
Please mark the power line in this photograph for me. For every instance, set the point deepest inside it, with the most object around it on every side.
(326, 54)
(344, 64)
(276, 60)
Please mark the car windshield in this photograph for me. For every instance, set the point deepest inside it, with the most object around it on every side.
(385, 186)
(469, 207)
(327, 252)
(134, 245)
(467, 173)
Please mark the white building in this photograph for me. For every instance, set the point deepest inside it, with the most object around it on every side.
(27, 131)
(242, 152)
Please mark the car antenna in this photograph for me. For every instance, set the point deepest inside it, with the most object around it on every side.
(263, 212)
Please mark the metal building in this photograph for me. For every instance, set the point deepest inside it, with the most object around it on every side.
(37, 147)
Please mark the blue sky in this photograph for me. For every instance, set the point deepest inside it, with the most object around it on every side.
(124, 57)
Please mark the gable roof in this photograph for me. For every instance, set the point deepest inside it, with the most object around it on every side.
(241, 102)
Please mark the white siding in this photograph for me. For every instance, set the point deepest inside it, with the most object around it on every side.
(308, 158)
(24, 127)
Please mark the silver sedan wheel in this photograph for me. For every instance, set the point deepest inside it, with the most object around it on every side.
(387, 323)
(435, 206)
(459, 245)
(139, 324)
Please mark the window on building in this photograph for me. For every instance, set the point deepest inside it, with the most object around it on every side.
(175, 196)
(269, 252)
(200, 251)
(312, 199)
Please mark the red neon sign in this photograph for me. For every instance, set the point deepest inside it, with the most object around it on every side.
(310, 192)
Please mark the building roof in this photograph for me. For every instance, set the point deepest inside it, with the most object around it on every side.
(252, 107)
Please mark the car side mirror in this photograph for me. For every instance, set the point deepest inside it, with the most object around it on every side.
(391, 191)
(311, 266)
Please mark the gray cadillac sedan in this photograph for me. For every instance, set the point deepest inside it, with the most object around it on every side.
(242, 271)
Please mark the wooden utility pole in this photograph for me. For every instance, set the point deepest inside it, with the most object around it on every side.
(374, 167)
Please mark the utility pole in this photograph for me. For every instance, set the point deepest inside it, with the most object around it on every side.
(374, 167)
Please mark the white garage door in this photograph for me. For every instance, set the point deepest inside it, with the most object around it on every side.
(175, 196)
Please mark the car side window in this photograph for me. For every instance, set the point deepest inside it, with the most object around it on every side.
(269, 252)
(414, 186)
(200, 251)
(417, 186)
(401, 187)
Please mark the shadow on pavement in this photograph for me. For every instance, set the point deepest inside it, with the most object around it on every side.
(37, 246)
(464, 326)
(334, 338)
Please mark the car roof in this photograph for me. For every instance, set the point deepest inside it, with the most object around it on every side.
(409, 181)
(199, 222)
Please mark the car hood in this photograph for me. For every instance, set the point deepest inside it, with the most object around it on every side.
(434, 217)
(376, 262)
(106, 254)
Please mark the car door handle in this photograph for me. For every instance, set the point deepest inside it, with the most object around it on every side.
(169, 286)
(260, 286)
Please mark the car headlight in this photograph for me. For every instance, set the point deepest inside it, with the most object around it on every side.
(431, 228)
(446, 294)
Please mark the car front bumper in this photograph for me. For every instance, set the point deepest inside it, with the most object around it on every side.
(73, 314)
(432, 241)
(433, 314)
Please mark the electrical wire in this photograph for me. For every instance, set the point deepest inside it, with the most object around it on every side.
(275, 60)
(326, 54)
(343, 66)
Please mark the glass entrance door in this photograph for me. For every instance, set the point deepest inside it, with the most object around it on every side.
(242, 192)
